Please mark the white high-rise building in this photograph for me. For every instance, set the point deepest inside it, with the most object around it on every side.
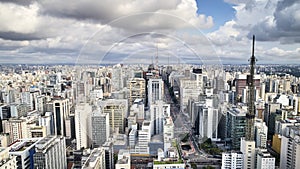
(117, 78)
(168, 133)
(155, 90)
(232, 160)
(265, 160)
(261, 133)
(158, 110)
(50, 153)
(248, 150)
(290, 148)
(99, 128)
(82, 115)
(208, 118)
(144, 137)
(188, 90)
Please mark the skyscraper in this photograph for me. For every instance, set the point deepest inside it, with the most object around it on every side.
(50, 153)
(118, 111)
(82, 115)
(158, 110)
(155, 90)
(61, 110)
(235, 127)
(99, 128)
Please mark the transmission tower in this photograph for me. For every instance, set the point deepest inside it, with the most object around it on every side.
(251, 107)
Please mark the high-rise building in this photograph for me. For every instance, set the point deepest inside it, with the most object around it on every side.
(137, 89)
(24, 150)
(61, 110)
(189, 90)
(241, 83)
(155, 90)
(50, 152)
(264, 160)
(235, 127)
(5, 112)
(290, 148)
(17, 128)
(109, 155)
(261, 133)
(208, 117)
(144, 137)
(249, 154)
(117, 78)
(158, 111)
(99, 128)
(168, 134)
(138, 109)
(82, 115)
(232, 160)
(118, 111)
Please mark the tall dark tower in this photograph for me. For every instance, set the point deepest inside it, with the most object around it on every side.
(251, 107)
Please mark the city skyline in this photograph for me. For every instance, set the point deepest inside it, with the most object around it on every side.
(187, 31)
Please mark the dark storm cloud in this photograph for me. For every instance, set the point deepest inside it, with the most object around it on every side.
(20, 36)
(19, 2)
(284, 25)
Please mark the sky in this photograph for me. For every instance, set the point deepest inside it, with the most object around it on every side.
(135, 31)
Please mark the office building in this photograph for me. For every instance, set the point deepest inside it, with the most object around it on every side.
(158, 111)
(208, 117)
(235, 127)
(24, 150)
(50, 152)
(155, 90)
(61, 110)
(118, 111)
(99, 128)
(82, 115)
(241, 83)
(109, 155)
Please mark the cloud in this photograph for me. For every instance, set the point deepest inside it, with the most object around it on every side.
(18, 19)
(283, 24)
(55, 30)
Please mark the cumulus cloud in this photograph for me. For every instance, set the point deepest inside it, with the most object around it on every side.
(18, 19)
(283, 24)
(52, 30)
